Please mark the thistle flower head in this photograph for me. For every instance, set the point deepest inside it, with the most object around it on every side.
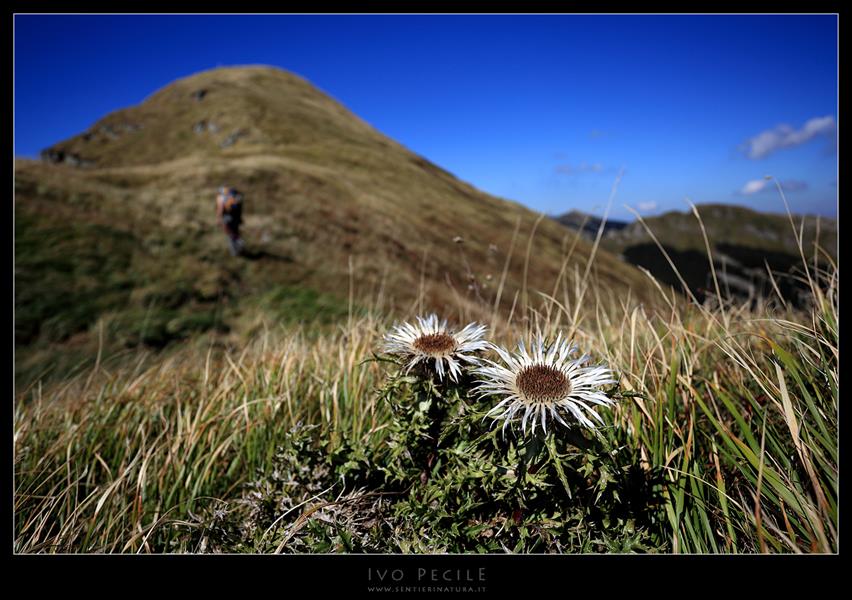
(543, 383)
(430, 340)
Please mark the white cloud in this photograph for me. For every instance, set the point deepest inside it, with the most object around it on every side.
(761, 185)
(646, 206)
(753, 186)
(785, 136)
(583, 167)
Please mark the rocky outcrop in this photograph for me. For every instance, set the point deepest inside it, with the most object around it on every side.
(205, 125)
(58, 156)
(111, 132)
(232, 139)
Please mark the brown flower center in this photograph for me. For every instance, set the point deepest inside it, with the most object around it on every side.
(542, 383)
(436, 344)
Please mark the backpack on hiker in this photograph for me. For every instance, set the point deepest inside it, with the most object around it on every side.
(232, 204)
(229, 207)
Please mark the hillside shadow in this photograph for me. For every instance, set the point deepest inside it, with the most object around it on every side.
(692, 265)
(254, 255)
(741, 271)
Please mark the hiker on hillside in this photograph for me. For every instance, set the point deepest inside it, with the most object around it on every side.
(229, 209)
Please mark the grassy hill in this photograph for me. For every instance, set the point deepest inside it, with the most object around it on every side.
(730, 225)
(117, 244)
(745, 246)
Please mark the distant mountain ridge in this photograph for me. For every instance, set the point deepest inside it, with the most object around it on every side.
(745, 245)
(587, 224)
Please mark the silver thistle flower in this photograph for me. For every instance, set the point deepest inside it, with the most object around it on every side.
(431, 340)
(543, 383)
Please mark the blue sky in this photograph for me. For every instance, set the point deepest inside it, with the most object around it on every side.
(545, 110)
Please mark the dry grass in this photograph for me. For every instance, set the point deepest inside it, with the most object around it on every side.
(736, 404)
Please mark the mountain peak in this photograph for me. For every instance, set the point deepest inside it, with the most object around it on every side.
(219, 112)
